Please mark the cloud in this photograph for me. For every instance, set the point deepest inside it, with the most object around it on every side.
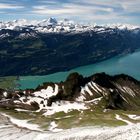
(76, 11)
(10, 6)
(69, 8)
(131, 6)
(48, 2)
(81, 10)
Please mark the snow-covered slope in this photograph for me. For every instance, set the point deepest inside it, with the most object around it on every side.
(52, 25)
(9, 131)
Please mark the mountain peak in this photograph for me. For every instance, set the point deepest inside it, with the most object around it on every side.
(52, 20)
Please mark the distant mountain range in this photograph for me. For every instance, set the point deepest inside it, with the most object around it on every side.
(48, 46)
(52, 25)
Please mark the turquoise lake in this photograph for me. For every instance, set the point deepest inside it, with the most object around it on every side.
(128, 64)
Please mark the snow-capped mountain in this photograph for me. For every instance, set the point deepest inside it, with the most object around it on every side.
(52, 25)
(53, 46)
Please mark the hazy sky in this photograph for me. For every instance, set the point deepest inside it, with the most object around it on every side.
(91, 11)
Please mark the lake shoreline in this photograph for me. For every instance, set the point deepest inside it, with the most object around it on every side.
(116, 65)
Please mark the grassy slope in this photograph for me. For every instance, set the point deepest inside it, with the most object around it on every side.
(91, 117)
(8, 82)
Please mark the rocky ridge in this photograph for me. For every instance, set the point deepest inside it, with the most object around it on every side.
(77, 92)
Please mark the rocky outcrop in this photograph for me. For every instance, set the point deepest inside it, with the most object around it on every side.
(117, 92)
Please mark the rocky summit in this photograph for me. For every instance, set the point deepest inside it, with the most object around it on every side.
(77, 92)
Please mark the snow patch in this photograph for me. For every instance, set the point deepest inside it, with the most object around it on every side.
(121, 119)
(134, 117)
(22, 123)
(65, 117)
(129, 132)
(47, 93)
(5, 94)
(95, 101)
(80, 98)
(96, 87)
(53, 127)
(64, 106)
(129, 91)
(23, 110)
(86, 88)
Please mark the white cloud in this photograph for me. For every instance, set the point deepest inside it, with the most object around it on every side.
(10, 6)
(56, 11)
(110, 11)
(69, 9)
(79, 10)
(49, 2)
(76, 11)
(123, 5)
(131, 6)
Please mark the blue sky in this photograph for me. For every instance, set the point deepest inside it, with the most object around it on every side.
(90, 11)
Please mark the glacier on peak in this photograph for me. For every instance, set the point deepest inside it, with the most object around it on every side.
(65, 25)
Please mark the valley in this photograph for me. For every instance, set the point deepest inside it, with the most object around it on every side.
(128, 64)
(42, 49)
(63, 80)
